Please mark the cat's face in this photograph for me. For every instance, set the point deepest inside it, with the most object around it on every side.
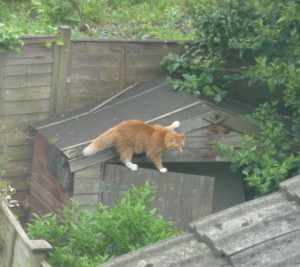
(175, 142)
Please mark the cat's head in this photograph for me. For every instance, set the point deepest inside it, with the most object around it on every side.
(175, 141)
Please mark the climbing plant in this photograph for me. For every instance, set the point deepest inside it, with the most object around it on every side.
(246, 48)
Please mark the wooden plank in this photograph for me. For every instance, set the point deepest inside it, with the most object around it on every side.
(96, 48)
(18, 168)
(26, 94)
(16, 137)
(123, 67)
(107, 60)
(25, 107)
(2, 62)
(29, 61)
(22, 121)
(197, 193)
(144, 73)
(94, 73)
(31, 51)
(87, 199)
(20, 183)
(61, 71)
(41, 39)
(152, 48)
(28, 69)
(87, 180)
(144, 61)
(29, 80)
(19, 152)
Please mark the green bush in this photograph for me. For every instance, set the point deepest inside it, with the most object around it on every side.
(82, 238)
(249, 51)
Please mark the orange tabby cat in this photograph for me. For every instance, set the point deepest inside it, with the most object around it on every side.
(134, 136)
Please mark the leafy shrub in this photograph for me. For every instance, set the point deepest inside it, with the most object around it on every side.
(82, 238)
(249, 50)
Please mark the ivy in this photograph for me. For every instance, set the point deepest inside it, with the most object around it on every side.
(249, 51)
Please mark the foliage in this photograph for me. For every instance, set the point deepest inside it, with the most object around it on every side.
(252, 47)
(82, 238)
(6, 190)
(159, 19)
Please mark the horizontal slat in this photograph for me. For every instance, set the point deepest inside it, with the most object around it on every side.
(26, 60)
(20, 107)
(112, 60)
(25, 94)
(31, 51)
(95, 73)
(18, 168)
(22, 121)
(21, 81)
(96, 48)
(20, 152)
(28, 69)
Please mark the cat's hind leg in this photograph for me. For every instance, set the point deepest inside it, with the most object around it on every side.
(126, 156)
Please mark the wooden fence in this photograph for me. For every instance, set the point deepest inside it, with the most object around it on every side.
(42, 81)
(16, 249)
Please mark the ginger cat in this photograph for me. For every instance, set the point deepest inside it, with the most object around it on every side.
(134, 136)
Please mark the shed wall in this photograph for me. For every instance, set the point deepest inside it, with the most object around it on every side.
(47, 193)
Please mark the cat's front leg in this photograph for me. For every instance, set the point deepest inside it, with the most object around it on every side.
(157, 162)
(131, 165)
(163, 170)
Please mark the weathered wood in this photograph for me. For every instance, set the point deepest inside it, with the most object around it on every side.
(23, 152)
(27, 94)
(28, 61)
(96, 48)
(17, 249)
(17, 168)
(2, 69)
(89, 199)
(22, 121)
(33, 50)
(61, 74)
(180, 198)
(123, 67)
(28, 69)
(87, 180)
(25, 107)
(27, 80)
(42, 39)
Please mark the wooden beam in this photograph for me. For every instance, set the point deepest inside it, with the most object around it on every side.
(61, 78)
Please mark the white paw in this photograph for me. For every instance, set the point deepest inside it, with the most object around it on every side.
(163, 170)
(175, 124)
(133, 167)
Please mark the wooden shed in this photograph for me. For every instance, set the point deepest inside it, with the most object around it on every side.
(195, 185)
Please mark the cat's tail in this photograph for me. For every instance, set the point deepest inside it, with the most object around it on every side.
(102, 142)
(174, 125)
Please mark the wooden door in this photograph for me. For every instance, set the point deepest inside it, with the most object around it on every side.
(180, 198)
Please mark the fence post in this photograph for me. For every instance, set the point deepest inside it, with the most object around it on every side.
(2, 58)
(60, 78)
(123, 67)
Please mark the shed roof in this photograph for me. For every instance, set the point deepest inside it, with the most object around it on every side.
(262, 232)
(151, 101)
